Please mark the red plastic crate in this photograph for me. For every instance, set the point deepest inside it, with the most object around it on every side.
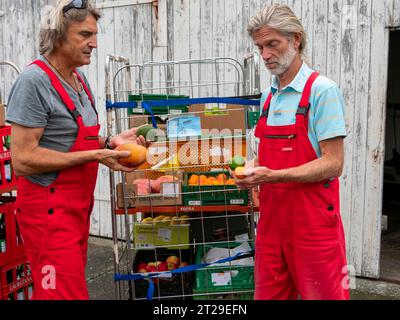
(8, 180)
(13, 244)
(16, 280)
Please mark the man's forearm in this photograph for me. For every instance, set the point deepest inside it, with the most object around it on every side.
(314, 171)
(42, 160)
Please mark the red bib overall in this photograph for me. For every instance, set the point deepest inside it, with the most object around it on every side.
(54, 220)
(300, 245)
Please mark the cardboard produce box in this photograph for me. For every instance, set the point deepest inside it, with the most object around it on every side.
(158, 234)
(228, 116)
(171, 195)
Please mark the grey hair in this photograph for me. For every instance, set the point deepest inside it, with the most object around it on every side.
(280, 18)
(54, 23)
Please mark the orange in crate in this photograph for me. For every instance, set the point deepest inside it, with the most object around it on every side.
(193, 180)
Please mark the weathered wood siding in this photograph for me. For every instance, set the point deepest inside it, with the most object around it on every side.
(347, 41)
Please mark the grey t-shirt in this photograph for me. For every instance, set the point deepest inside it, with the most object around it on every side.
(34, 103)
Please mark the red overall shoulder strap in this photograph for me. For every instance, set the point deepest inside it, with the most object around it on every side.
(61, 91)
(266, 105)
(86, 89)
(305, 98)
(304, 105)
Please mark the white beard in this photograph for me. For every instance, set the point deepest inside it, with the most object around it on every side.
(284, 62)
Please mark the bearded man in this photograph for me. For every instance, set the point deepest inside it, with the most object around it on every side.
(300, 244)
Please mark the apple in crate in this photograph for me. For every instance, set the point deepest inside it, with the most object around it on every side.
(162, 267)
(172, 262)
(151, 268)
(142, 267)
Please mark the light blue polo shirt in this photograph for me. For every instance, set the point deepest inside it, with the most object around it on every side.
(326, 115)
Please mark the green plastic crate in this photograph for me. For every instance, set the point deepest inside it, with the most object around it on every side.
(199, 295)
(212, 195)
(241, 277)
(159, 109)
(253, 117)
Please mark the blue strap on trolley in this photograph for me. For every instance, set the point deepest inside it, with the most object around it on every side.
(147, 105)
(194, 267)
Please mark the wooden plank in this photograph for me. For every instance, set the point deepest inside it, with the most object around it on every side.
(376, 141)
(307, 19)
(230, 75)
(333, 40)
(296, 6)
(206, 50)
(396, 13)
(319, 38)
(195, 44)
(265, 76)
(347, 83)
(359, 140)
(160, 43)
(181, 45)
(100, 220)
(334, 73)
(218, 23)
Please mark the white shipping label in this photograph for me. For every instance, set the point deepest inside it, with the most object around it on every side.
(237, 201)
(164, 234)
(218, 151)
(170, 190)
(221, 278)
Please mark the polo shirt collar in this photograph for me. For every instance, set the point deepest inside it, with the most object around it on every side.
(298, 83)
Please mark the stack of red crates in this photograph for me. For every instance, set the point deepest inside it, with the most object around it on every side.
(15, 274)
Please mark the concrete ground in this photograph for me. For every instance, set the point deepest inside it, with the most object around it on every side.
(100, 271)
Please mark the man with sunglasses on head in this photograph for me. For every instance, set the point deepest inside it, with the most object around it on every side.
(56, 151)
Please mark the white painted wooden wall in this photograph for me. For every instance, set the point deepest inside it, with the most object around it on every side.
(347, 41)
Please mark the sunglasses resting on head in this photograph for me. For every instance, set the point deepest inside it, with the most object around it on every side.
(75, 4)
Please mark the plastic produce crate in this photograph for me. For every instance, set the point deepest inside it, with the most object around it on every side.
(203, 195)
(177, 286)
(11, 244)
(8, 180)
(147, 236)
(16, 280)
(159, 109)
(253, 117)
(234, 277)
(199, 295)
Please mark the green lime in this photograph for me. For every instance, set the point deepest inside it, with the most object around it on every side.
(237, 161)
(143, 131)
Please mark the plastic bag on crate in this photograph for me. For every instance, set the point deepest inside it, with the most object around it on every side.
(215, 254)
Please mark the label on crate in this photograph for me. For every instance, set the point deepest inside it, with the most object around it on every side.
(164, 234)
(221, 278)
(218, 152)
(175, 111)
(170, 189)
(194, 203)
(237, 201)
(3, 246)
